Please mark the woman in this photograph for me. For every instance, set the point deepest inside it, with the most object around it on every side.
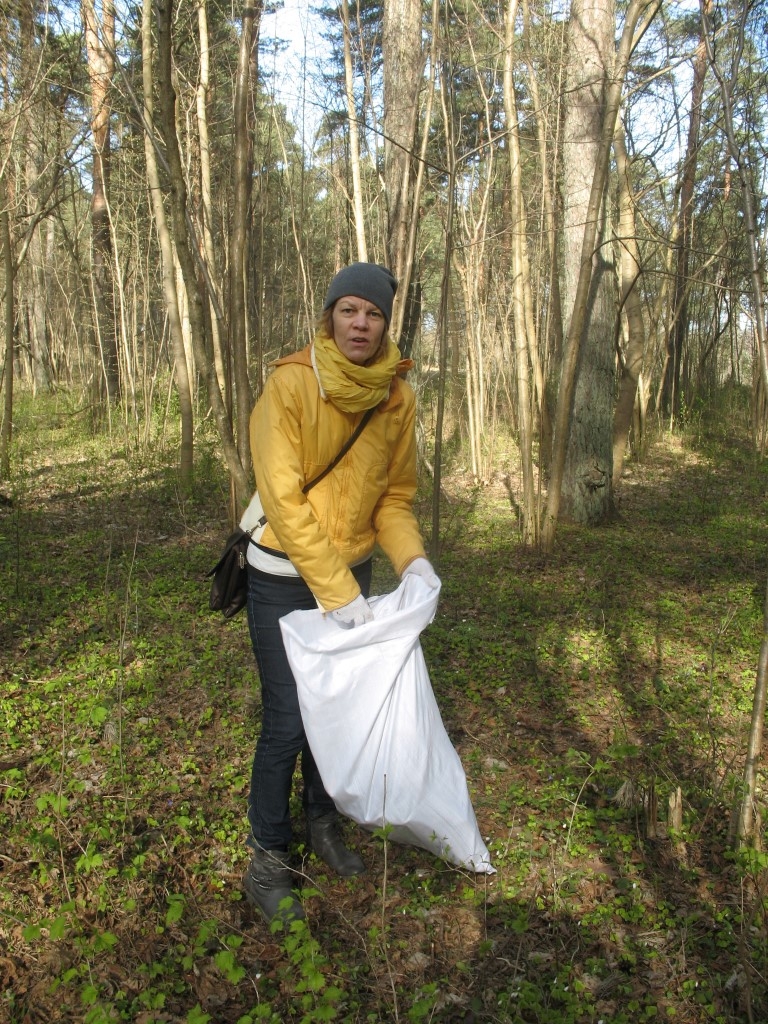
(313, 547)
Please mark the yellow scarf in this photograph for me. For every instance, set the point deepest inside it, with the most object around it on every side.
(351, 387)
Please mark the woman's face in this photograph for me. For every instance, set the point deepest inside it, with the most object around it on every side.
(358, 329)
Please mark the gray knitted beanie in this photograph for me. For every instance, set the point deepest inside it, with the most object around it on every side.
(368, 281)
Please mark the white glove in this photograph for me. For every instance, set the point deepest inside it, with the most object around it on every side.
(421, 567)
(353, 614)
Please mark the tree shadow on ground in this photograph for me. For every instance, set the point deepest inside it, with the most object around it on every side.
(628, 656)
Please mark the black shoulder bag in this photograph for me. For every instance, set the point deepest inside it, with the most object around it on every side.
(229, 587)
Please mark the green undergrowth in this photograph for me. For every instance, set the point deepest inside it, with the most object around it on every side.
(583, 692)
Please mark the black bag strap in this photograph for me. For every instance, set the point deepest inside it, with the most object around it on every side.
(345, 448)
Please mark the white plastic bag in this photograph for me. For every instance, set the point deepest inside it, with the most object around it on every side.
(374, 727)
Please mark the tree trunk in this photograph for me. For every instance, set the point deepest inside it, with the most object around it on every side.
(747, 176)
(100, 46)
(748, 188)
(588, 249)
(185, 245)
(677, 330)
(36, 295)
(10, 315)
(403, 76)
(442, 325)
(238, 259)
(205, 185)
(755, 743)
(520, 280)
(181, 369)
(354, 136)
(630, 303)
(546, 129)
(586, 489)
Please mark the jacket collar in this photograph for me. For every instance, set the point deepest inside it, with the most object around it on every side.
(304, 358)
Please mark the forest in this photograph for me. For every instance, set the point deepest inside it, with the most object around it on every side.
(573, 200)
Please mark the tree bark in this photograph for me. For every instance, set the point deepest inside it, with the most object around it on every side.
(403, 76)
(547, 128)
(748, 187)
(677, 331)
(354, 136)
(591, 225)
(520, 281)
(205, 184)
(630, 303)
(586, 488)
(32, 125)
(184, 245)
(181, 369)
(100, 46)
(746, 175)
(6, 431)
(239, 248)
(444, 307)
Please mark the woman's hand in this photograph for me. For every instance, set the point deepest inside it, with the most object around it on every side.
(421, 567)
(353, 614)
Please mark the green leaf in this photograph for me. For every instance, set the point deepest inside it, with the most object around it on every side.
(89, 995)
(58, 927)
(175, 912)
(197, 1015)
(99, 715)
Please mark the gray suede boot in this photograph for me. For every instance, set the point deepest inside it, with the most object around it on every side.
(324, 837)
(267, 883)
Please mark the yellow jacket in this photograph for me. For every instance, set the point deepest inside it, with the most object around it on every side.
(367, 498)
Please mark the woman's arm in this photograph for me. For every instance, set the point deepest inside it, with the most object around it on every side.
(277, 429)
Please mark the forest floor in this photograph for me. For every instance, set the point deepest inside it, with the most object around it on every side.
(583, 692)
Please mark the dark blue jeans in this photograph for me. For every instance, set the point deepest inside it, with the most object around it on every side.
(282, 736)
